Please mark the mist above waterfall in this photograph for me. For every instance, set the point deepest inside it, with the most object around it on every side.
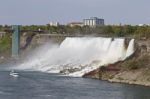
(84, 54)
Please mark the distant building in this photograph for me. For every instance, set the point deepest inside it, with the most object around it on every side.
(93, 21)
(143, 24)
(54, 24)
(140, 24)
(72, 24)
(2, 34)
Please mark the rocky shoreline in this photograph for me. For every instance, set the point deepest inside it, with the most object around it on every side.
(130, 82)
(134, 77)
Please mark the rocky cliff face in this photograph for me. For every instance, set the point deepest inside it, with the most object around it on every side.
(32, 41)
(134, 70)
(39, 39)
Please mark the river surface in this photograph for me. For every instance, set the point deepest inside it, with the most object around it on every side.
(37, 85)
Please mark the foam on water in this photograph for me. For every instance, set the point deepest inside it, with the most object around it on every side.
(84, 54)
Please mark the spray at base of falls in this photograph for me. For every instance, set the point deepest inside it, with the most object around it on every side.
(77, 56)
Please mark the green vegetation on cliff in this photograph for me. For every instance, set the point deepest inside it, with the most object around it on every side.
(5, 44)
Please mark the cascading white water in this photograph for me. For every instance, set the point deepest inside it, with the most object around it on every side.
(84, 54)
(130, 49)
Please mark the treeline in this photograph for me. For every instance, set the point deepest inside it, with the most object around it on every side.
(128, 30)
(109, 30)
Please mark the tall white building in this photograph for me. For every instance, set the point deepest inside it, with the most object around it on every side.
(93, 21)
(54, 24)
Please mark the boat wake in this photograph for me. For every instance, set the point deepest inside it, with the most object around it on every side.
(13, 74)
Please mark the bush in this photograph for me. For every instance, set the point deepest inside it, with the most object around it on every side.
(142, 61)
(131, 64)
(5, 44)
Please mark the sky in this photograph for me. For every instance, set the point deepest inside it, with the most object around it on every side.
(28, 12)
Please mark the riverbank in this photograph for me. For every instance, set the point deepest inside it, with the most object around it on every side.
(137, 77)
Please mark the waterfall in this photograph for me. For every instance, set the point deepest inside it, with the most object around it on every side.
(80, 54)
(130, 49)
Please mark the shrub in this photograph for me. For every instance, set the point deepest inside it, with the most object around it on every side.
(136, 63)
(131, 64)
(5, 44)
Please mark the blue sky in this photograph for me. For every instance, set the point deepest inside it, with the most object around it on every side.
(43, 11)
